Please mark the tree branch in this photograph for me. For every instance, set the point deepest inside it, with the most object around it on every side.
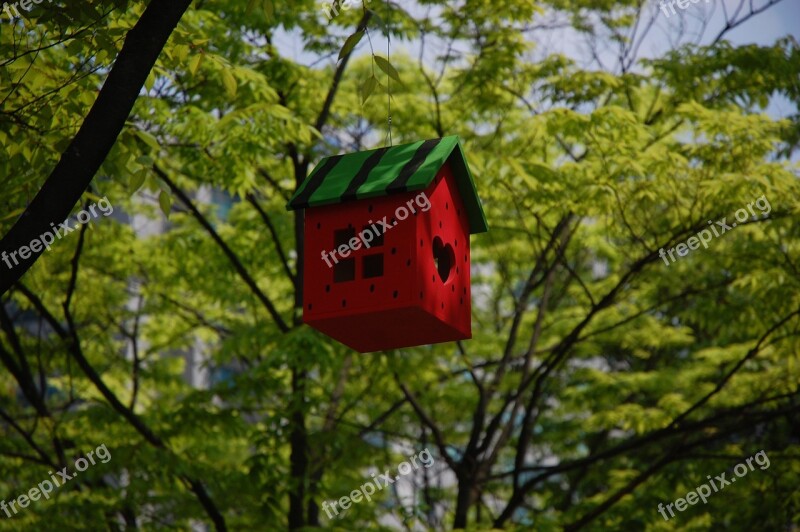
(90, 146)
(234, 260)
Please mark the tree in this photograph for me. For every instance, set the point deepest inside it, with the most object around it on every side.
(88, 149)
(604, 377)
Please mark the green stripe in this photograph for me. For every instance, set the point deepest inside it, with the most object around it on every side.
(335, 177)
(363, 173)
(414, 165)
(309, 186)
(423, 177)
(387, 170)
(331, 190)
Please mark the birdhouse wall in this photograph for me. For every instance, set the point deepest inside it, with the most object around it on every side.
(390, 294)
(443, 234)
(371, 278)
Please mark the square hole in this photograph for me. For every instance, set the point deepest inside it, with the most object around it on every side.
(377, 239)
(373, 265)
(343, 236)
(344, 271)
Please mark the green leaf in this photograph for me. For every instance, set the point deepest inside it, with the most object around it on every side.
(368, 88)
(350, 43)
(150, 81)
(269, 9)
(148, 139)
(229, 82)
(165, 202)
(387, 67)
(180, 52)
(194, 63)
(137, 180)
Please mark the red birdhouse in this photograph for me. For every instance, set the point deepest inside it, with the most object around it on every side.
(387, 261)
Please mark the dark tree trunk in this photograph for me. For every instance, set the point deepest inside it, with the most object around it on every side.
(298, 494)
(465, 497)
(90, 146)
(299, 453)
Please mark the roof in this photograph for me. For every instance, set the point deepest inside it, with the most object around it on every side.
(387, 171)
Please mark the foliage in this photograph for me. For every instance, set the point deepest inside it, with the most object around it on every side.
(600, 381)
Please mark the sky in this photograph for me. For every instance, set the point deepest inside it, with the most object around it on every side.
(779, 20)
(765, 28)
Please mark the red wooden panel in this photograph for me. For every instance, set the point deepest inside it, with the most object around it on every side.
(407, 303)
(446, 233)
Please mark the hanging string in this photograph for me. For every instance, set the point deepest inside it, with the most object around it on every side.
(388, 77)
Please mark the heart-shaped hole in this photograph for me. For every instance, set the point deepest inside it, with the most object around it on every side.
(444, 258)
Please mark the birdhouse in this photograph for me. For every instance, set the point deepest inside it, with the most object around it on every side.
(386, 253)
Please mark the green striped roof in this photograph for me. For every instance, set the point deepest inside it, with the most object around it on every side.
(385, 171)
